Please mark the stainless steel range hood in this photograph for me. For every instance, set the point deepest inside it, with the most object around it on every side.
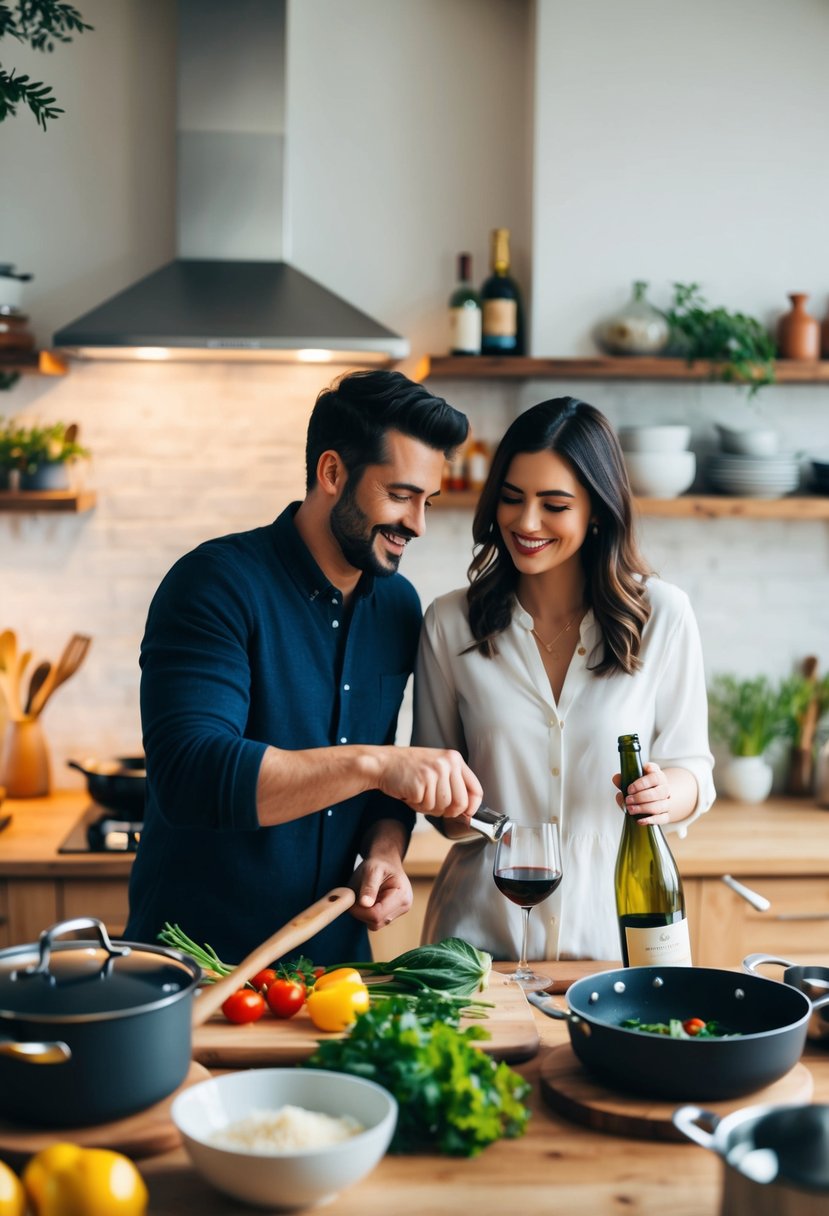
(230, 294)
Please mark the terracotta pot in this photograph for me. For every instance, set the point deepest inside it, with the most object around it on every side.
(25, 770)
(798, 333)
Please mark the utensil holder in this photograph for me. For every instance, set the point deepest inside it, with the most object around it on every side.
(25, 770)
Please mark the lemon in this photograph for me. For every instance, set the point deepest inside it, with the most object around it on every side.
(12, 1194)
(65, 1180)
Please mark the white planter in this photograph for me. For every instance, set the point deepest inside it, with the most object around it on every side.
(747, 778)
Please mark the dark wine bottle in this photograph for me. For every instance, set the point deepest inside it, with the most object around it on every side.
(464, 312)
(503, 310)
(650, 901)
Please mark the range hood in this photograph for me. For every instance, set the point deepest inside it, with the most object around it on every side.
(230, 293)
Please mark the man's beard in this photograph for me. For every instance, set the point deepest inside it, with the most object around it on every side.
(351, 530)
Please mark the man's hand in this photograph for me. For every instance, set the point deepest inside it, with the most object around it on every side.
(431, 780)
(383, 891)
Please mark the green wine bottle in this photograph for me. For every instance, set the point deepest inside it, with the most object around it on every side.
(464, 312)
(650, 902)
(503, 319)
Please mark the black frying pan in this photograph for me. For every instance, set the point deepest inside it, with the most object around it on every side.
(118, 784)
(770, 1019)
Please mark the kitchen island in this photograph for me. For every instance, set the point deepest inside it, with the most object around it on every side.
(556, 1167)
(778, 848)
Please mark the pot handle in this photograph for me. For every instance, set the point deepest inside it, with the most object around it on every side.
(304, 925)
(48, 936)
(545, 1004)
(752, 961)
(687, 1120)
(757, 901)
(36, 1053)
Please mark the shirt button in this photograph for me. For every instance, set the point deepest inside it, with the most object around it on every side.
(581, 650)
(552, 722)
(329, 812)
(555, 771)
(334, 599)
(343, 739)
(346, 688)
(335, 624)
(561, 724)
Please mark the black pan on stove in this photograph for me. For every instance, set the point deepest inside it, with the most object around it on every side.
(119, 784)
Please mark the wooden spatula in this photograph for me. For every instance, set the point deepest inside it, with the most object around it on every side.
(73, 655)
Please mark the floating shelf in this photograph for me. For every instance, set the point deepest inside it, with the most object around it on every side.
(691, 506)
(632, 367)
(47, 500)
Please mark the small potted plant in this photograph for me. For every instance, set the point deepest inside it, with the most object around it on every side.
(748, 715)
(43, 454)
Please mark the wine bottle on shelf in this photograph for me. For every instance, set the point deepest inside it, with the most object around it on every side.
(464, 312)
(650, 901)
(503, 311)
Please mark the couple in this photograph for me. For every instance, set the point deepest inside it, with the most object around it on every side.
(274, 663)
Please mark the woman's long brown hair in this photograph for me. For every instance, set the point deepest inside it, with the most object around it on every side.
(613, 566)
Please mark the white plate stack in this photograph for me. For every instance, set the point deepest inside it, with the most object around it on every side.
(751, 466)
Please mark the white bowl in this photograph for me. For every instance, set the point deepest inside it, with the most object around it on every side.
(660, 474)
(298, 1178)
(668, 438)
(749, 442)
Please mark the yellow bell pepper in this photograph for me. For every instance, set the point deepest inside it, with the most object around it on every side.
(335, 1006)
(67, 1180)
(12, 1194)
(340, 975)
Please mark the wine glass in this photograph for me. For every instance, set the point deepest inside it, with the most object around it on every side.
(526, 870)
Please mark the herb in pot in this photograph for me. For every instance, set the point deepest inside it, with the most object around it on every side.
(738, 344)
(452, 1097)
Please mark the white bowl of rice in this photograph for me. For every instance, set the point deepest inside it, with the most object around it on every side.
(285, 1138)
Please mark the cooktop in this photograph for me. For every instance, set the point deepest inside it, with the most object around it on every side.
(102, 831)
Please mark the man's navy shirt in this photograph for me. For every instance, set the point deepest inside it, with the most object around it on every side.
(247, 644)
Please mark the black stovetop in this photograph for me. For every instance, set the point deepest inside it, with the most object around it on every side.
(102, 831)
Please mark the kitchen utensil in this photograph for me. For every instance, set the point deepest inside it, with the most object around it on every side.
(801, 758)
(571, 1091)
(775, 1158)
(290, 1178)
(813, 981)
(8, 673)
(36, 682)
(115, 1019)
(769, 1021)
(5, 820)
(120, 784)
(70, 660)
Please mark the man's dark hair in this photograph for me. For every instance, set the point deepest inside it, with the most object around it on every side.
(353, 416)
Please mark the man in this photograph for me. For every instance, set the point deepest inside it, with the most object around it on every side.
(273, 667)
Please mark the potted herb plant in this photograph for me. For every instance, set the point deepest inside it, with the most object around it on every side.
(748, 715)
(738, 346)
(42, 454)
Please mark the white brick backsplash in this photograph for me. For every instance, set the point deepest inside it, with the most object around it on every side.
(185, 452)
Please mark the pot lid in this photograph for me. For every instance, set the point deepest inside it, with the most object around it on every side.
(89, 980)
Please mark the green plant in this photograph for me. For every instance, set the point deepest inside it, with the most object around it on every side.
(26, 448)
(40, 23)
(748, 715)
(738, 344)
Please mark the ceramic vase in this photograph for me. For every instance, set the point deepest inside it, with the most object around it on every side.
(798, 333)
(747, 778)
(25, 770)
(638, 329)
(53, 475)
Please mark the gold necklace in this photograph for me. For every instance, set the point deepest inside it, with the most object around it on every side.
(548, 646)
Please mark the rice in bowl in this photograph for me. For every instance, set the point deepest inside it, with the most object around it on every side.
(289, 1129)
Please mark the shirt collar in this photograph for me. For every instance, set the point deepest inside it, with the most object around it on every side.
(301, 565)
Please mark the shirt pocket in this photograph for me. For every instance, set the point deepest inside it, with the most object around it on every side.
(378, 708)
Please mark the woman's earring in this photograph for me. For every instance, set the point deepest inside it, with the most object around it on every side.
(595, 529)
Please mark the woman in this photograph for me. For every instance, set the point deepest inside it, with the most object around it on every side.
(563, 640)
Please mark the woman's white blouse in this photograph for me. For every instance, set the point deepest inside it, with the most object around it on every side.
(538, 760)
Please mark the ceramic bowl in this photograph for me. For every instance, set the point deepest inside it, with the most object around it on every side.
(668, 438)
(297, 1178)
(660, 474)
(750, 442)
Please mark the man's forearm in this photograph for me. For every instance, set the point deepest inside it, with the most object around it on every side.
(388, 838)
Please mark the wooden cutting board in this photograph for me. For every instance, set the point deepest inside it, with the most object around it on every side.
(143, 1134)
(572, 1092)
(273, 1041)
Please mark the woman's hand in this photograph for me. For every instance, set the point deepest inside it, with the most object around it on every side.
(648, 798)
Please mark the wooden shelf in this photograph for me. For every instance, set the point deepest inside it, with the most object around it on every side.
(597, 367)
(39, 362)
(691, 506)
(47, 500)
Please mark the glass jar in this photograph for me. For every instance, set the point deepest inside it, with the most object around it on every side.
(638, 329)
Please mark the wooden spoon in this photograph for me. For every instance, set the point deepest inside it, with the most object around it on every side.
(8, 664)
(73, 655)
(801, 763)
(36, 681)
(297, 931)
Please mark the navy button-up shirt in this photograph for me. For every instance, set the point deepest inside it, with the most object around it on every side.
(248, 644)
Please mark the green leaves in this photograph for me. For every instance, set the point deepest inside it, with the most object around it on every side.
(452, 1097)
(738, 343)
(748, 715)
(452, 966)
(41, 23)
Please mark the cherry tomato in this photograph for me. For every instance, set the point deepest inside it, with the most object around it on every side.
(263, 979)
(285, 997)
(341, 975)
(693, 1026)
(244, 1006)
(337, 1006)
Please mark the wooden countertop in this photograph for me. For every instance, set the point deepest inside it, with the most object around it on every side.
(557, 1166)
(782, 836)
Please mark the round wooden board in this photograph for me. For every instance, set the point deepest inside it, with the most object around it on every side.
(572, 1092)
(140, 1135)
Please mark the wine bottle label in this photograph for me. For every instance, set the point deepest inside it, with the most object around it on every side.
(465, 331)
(500, 321)
(663, 946)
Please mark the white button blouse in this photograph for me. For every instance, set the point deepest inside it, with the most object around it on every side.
(501, 715)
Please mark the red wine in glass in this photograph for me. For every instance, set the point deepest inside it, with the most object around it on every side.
(527, 885)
